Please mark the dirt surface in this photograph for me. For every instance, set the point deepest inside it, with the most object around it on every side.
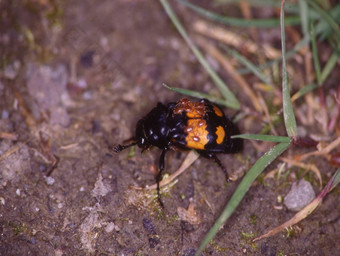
(76, 77)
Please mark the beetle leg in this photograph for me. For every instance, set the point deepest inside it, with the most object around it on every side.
(159, 175)
(122, 147)
(221, 166)
(213, 156)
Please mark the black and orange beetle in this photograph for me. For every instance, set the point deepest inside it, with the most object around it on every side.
(185, 125)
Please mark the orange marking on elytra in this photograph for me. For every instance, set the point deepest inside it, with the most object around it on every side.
(217, 111)
(220, 134)
(197, 138)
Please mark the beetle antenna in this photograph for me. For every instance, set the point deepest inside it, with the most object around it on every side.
(122, 147)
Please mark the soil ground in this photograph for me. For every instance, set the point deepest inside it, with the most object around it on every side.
(77, 87)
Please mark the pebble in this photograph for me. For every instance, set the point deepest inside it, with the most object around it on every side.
(299, 196)
(109, 227)
(49, 180)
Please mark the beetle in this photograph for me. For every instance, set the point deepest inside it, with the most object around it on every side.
(185, 125)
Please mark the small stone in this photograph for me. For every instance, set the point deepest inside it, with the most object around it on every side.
(17, 192)
(299, 196)
(109, 227)
(49, 180)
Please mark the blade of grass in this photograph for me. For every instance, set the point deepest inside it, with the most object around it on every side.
(324, 75)
(329, 66)
(247, 64)
(307, 210)
(214, 52)
(290, 7)
(197, 94)
(242, 189)
(263, 137)
(233, 39)
(289, 54)
(238, 22)
(315, 56)
(304, 90)
(322, 28)
(231, 100)
(268, 3)
(288, 112)
(329, 19)
(303, 9)
(334, 180)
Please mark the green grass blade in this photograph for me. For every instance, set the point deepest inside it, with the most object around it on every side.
(303, 8)
(242, 189)
(197, 94)
(290, 7)
(335, 179)
(329, 66)
(322, 28)
(304, 90)
(288, 112)
(289, 54)
(231, 100)
(268, 3)
(248, 64)
(239, 22)
(315, 56)
(263, 137)
(328, 18)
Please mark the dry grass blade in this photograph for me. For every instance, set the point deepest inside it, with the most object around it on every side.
(307, 167)
(47, 154)
(216, 54)
(9, 136)
(233, 39)
(297, 218)
(321, 152)
(190, 158)
(266, 114)
(229, 96)
(305, 211)
(25, 111)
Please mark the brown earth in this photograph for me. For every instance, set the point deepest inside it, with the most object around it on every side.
(79, 76)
